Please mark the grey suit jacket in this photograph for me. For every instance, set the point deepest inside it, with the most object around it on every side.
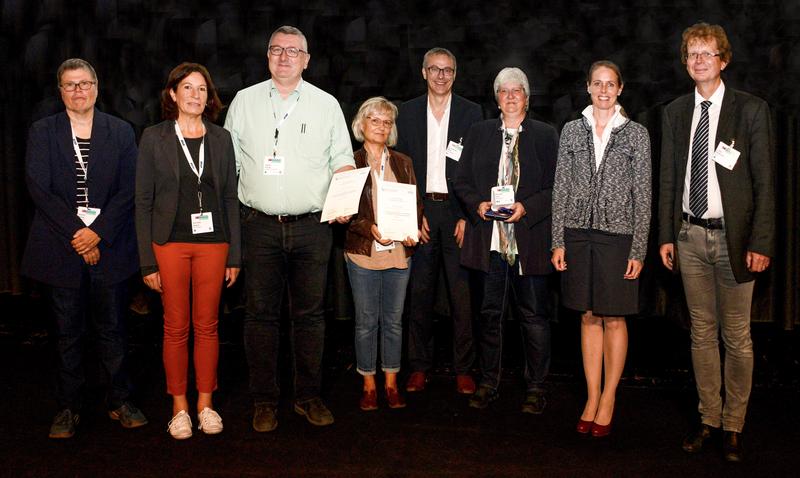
(748, 191)
(157, 187)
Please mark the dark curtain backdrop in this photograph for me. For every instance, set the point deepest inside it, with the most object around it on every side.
(362, 49)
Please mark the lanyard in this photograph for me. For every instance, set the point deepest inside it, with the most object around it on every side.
(78, 152)
(201, 161)
(282, 120)
(508, 140)
(382, 168)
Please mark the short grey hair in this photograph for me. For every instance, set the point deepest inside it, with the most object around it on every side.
(515, 75)
(289, 30)
(75, 64)
(372, 105)
(438, 51)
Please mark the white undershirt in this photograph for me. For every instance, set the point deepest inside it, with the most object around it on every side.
(435, 179)
(714, 195)
(600, 143)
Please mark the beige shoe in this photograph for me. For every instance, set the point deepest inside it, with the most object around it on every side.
(209, 421)
(180, 427)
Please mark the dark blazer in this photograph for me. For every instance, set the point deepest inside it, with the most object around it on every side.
(748, 192)
(52, 184)
(157, 187)
(358, 239)
(412, 137)
(477, 175)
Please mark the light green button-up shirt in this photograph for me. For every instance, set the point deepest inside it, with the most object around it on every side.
(313, 141)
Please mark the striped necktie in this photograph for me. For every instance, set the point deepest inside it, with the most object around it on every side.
(698, 182)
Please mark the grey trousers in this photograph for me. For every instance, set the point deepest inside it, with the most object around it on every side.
(717, 302)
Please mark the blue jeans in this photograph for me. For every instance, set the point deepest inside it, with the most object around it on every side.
(103, 308)
(278, 256)
(532, 298)
(378, 297)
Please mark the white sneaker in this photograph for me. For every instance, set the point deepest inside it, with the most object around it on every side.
(180, 427)
(209, 421)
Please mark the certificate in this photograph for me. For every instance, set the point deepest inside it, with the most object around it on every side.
(397, 211)
(344, 194)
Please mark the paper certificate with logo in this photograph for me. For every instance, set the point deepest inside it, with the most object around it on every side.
(344, 194)
(397, 211)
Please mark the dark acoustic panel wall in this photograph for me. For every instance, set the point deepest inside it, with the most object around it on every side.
(362, 49)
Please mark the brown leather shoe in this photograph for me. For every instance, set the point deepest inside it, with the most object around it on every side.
(732, 446)
(416, 382)
(369, 400)
(394, 399)
(697, 440)
(465, 385)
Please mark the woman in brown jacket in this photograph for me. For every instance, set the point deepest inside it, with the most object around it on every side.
(378, 268)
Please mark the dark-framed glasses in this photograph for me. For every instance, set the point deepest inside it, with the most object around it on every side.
(376, 122)
(446, 71)
(700, 55)
(81, 85)
(291, 51)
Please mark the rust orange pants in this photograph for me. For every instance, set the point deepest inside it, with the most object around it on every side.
(202, 267)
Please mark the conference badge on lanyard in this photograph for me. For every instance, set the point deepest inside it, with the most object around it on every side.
(87, 215)
(201, 221)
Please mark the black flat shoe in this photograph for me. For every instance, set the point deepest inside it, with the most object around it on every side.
(699, 438)
(732, 446)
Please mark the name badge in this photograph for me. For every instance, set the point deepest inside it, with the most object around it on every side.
(454, 150)
(202, 222)
(88, 214)
(380, 247)
(726, 155)
(274, 165)
(502, 196)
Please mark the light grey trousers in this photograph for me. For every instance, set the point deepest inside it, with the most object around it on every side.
(717, 303)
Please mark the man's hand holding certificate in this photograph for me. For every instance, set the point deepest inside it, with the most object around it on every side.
(344, 194)
(397, 211)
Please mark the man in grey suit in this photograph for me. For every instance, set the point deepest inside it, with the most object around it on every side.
(431, 129)
(717, 226)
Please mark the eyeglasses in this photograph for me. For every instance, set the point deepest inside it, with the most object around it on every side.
(508, 92)
(82, 85)
(435, 71)
(376, 122)
(291, 51)
(697, 55)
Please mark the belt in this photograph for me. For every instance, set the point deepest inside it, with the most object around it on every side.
(281, 218)
(436, 196)
(713, 223)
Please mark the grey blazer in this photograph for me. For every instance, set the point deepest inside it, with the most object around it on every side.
(748, 191)
(157, 183)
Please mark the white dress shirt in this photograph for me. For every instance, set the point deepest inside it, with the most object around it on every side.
(600, 143)
(435, 179)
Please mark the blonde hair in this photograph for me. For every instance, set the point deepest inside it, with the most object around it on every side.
(372, 105)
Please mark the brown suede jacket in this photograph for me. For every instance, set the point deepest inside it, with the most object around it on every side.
(359, 232)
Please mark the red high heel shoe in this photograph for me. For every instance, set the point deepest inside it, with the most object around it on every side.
(584, 427)
(600, 431)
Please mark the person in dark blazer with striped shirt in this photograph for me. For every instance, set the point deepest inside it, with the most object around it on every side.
(716, 217)
(79, 169)
(187, 222)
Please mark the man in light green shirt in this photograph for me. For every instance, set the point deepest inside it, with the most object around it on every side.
(289, 137)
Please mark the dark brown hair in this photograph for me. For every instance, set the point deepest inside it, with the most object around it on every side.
(705, 32)
(607, 64)
(169, 109)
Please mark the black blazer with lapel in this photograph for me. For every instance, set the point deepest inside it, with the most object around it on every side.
(52, 184)
(412, 137)
(748, 192)
(157, 187)
(477, 175)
